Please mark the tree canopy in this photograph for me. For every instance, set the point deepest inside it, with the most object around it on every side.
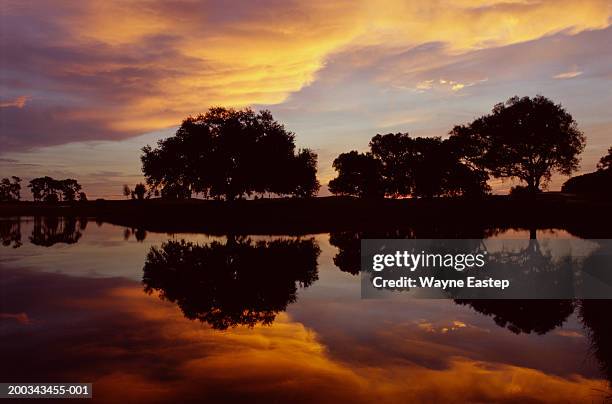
(10, 189)
(230, 153)
(359, 174)
(401, 166)
(524, 138)
(51, 190)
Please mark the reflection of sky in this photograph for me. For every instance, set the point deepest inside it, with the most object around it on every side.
(84, 86)
(78, 313)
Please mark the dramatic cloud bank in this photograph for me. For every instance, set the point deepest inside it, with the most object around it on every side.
(112, 69)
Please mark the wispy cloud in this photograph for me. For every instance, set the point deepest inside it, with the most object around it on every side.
(567, 75)
(18, 102)
(114, 69)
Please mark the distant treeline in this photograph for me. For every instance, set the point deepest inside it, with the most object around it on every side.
(45, 189)
(231, 154)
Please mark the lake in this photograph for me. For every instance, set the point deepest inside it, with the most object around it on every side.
(150, 317)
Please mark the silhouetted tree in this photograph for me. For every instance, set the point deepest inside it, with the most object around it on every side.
(437, 170)
(10, 189)
(401, 166)
(51, 190)
(605, 163)
(127, 192)
(139, 191)
(359, 174)
(524, 138)
(303, 181)
(230, 153)
(395, 151)
(70, 189)
(45, 189)
(238, 283)
(82, 197)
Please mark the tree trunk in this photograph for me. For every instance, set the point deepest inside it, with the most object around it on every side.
(532, 233)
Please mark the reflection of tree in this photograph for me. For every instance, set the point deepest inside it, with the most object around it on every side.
(10, 232)
(348, 258)
(50, 230)
(531, 271)
(139, 234)
(595, 315)
(527, 316)
(241, 282)
(528, 267)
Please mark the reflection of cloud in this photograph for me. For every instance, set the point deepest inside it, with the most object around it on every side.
(441, 328)
(135, 346)
(424, 85)
(444, 84)
(21, 318)
(108, 70)
(567, 75)
(569, 333)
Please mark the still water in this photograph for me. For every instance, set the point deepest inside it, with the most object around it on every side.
(152, 317)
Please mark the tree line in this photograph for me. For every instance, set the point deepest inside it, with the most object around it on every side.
(45, 189)
(231, 154)
(525, 138)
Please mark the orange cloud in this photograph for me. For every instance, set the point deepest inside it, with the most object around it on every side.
(18, 102)
(117, 68)
(567, 75)
(287, 362)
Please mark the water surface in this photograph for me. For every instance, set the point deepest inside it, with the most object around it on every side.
(151, 317)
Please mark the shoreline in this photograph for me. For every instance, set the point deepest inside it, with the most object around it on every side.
(327, 214)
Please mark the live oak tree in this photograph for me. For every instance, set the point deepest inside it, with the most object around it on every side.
(228, 153)
(524, 138)
(395, 151)
(401, 166)
(359, 174)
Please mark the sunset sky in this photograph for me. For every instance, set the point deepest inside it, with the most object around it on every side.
(84, 85)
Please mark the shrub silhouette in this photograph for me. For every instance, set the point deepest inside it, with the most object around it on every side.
(595, 183)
